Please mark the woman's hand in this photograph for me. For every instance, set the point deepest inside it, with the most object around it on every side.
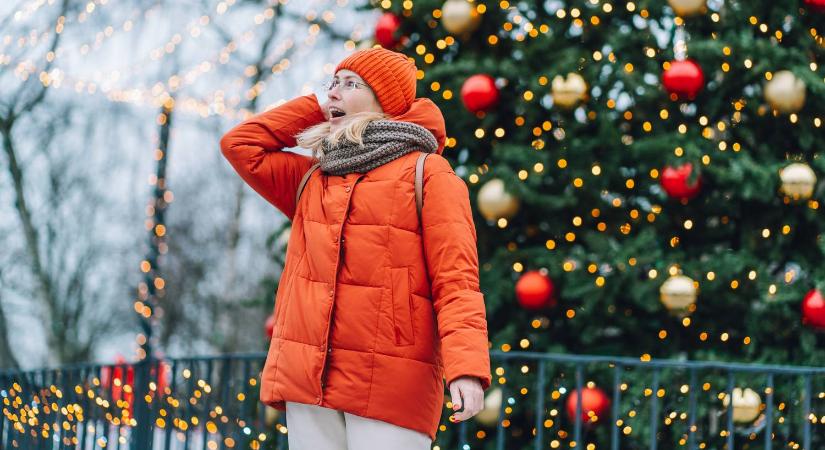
(466, 391)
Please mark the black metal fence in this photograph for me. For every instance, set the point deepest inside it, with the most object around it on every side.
(537, 401)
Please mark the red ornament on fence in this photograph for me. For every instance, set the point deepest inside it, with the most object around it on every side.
(120, 378)
(595, 404)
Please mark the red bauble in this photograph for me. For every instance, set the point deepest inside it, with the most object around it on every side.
(160, 373)
(386, 29)
(684, 78)
(593, 400)
(479, 93)
(125, 373)
(813, 310)
(675, 182)
(534, 290)
(269, 326)
(816, 5)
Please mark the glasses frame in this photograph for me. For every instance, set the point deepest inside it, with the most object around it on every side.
(354, 84)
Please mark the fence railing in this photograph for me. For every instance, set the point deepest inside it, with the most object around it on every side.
(537, 401)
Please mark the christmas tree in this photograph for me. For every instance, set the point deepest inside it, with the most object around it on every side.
(645, 183)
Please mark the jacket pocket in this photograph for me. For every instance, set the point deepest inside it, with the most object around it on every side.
(281, 309)
(402, 306)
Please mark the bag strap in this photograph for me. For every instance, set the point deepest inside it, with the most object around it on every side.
(419, 183)
(304, 182)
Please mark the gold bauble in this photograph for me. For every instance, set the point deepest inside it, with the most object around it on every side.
(785, 92)
(567, 93)
(366, 44)
(460, 17)
(678, 293)
(686, 8)
(271, 416)
(746, 405)
(492, 406)
(798, 181)
(495, 202)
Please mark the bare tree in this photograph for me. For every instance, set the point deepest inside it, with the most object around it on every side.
(57, 210)
(7, 358)
(23, 100)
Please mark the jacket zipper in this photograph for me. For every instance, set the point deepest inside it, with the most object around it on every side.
(334, 282)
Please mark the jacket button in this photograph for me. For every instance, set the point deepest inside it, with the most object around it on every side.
(329, 349)
(331, 292)
(347, 189)
(318, 400)
(335, 239)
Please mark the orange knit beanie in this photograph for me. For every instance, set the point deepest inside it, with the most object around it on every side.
(391, 75)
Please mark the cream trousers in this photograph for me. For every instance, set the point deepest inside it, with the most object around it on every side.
(312, 427)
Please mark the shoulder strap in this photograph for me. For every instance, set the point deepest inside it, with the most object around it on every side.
(304, 182)
(419, 183)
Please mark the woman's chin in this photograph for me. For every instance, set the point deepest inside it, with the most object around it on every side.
(335, 122)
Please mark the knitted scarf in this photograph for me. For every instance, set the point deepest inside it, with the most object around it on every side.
(384, 141)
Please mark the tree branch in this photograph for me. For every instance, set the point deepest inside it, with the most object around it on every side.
(7, 358)
(42, 90)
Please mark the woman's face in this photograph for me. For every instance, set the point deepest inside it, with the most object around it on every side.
(351, 95)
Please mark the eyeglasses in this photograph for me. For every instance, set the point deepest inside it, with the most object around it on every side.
(348, 85)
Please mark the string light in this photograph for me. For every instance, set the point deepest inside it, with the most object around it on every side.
(34, 37)
(107, 401)
(212, 103)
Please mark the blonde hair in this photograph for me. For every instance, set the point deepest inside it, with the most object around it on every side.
(351, 130)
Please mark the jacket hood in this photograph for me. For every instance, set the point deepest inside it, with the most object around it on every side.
(427, 114)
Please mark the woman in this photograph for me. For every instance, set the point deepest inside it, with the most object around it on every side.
(373, 309)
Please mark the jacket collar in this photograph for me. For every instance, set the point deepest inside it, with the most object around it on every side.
(427, 114)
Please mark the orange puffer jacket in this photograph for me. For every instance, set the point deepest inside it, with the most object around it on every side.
(371, 313)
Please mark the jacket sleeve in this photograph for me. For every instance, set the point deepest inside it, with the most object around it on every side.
(254, 147)
(452, 261)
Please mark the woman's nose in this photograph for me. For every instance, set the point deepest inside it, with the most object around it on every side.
(334, 94)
